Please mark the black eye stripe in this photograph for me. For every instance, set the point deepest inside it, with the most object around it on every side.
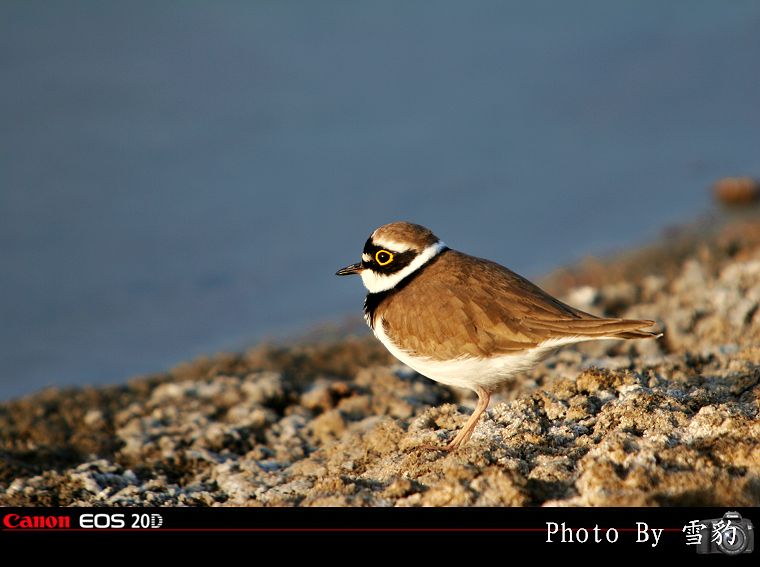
(400, 259)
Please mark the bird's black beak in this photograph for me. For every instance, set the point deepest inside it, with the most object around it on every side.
(350, 270)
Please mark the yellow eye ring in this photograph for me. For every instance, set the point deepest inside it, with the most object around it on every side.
(383, 257)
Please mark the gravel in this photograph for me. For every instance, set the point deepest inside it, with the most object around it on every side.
(640, 423)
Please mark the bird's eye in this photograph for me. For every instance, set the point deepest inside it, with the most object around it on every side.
(383, 257)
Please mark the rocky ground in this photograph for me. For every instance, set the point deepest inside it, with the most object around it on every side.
(668, 422)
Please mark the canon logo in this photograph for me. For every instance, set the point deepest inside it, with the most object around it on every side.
(14, 521)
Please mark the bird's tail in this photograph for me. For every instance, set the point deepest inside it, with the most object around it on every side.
(597, 328)
(639, 334)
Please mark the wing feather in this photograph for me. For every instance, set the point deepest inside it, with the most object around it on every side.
(459, 305)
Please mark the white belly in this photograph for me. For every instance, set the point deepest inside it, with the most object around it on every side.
(467, 372)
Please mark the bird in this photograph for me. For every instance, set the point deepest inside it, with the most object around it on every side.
(465, 321)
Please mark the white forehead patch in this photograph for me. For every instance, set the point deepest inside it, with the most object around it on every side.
(366, 257)
(390, 244)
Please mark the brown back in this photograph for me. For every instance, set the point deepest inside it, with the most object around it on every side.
(459, 305)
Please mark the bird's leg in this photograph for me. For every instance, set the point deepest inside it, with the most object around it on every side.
(484, 397)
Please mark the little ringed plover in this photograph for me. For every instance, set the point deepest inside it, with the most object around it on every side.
(465, 321)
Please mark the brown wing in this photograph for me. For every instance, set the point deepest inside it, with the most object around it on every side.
(459, 305)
